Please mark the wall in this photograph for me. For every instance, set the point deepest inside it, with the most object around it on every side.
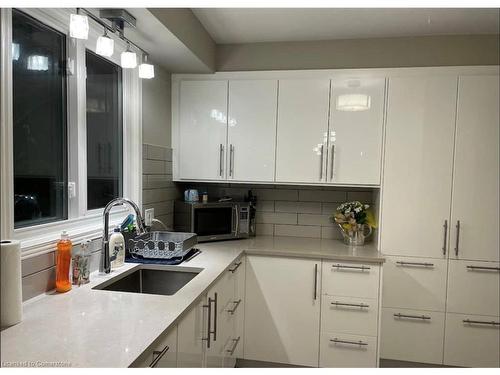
(361, 53)
(156, 113)
(297, 211)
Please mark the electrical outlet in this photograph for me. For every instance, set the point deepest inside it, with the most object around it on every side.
(149, 215)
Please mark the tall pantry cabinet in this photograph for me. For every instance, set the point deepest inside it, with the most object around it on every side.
(439, 223)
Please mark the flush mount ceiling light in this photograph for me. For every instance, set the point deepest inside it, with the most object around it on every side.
(78, 26)
(38, 62)
(16, 51)
(128, 59)
(146, 70)
(353, 102)
(105, 45)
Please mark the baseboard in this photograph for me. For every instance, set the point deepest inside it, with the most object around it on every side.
(392, 363)
(248, 363)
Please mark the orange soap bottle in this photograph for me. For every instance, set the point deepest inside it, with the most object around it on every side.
(63, 263)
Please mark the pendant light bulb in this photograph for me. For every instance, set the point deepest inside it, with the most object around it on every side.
(105, 45)
(128, 59)
(146, 70)
(78, 26)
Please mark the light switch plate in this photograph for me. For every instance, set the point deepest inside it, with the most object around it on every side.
(149, 215)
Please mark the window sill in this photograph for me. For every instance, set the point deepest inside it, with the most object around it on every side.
(43, 238)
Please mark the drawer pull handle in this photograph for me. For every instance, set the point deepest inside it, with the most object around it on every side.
(361, 305)
(491, 323)
(415, 264)
(159, 354)
(236, 304)
(362, 268)
(235, 341)
(483, 268)
(423, 317)
(360, 343)
(237, 265)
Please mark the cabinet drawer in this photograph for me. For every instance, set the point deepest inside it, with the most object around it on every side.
(350, 279)
(412, 338)
(472, 344)
(162, 353)
(473, 287)
(343, 350)
(357, 316)
(414, 283)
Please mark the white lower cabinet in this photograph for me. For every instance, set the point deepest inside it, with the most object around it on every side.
(344, 350)
(190, 339)
(412, 335)
(350, 279)
(162, 353)
(472, 340)
(282, 310)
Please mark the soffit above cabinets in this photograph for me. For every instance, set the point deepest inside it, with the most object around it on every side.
(247, 25)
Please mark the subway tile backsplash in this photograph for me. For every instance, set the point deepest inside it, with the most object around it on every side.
(298, 211)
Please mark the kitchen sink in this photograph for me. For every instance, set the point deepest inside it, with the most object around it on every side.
(162, 280)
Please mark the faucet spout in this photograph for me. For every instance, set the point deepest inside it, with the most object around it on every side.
(105, 264)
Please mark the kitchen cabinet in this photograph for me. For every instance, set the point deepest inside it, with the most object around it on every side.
(162, 353)
(301, 143)
(418, 165)
(282, 310)
(472, 340)
(251, 130)
(355, 131)
(344, 350)
(202, 130)
(475, 214)
(191, 336)
(237, 271)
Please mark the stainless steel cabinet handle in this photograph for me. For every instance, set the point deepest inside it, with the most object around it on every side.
(423, 317)
(490, 323)
(209, 324)
(445, 227)
(237, 265)
(321, 164)
(159, 354)
(362, 268)
(458, 237)
(415, 264)
(337, 341)
(235, 341)
(236, 304)
(483, 268)
(361, 305)
(332, 165)
(215, 316)
(221, 165)
(315, 281)
(231, 161)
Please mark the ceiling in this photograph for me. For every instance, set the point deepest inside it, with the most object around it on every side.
(249, 25)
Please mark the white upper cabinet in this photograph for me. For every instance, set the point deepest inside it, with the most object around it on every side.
(302, 130)
(356, 128)
(475, 213)
(203, 130)
(252, 130)
(418, 165)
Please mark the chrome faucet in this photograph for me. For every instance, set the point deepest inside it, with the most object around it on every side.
(105, 264)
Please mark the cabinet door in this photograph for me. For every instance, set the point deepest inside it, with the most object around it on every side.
(163, 352)
(418, 165)
(472, 340)
(343, 350)
(191, 332)
(282, 310)
(203, 128)
(476, 174)
(355, 135)
(302, 130)
(252, 130)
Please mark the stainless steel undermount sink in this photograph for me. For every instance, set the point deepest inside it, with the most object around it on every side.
(151, 279)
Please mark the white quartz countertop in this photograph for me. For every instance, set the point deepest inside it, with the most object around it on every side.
(97, 328)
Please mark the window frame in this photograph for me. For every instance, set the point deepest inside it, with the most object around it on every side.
(81, 223)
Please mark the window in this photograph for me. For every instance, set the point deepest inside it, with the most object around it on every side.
(39, 122)
(72, 141)
(104, 131)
